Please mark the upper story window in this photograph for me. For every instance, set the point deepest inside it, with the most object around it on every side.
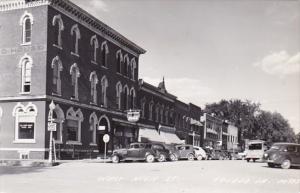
(104, 85)
(25, 65)
(73, 126)
(133, 67)
(104, 53)
(167, 115)
(75, 74)
(58, 24)
(93, 127)
(118, 95)
(125, 97)
(162, 114)
(157, 113)
(95, 45)
(126, 65)
(119, 57)
(25, 123)
(94, 82)
(151, 110)
(143, 104)
(75, 33)
(132, 98)
(26, 22)
(57, 67)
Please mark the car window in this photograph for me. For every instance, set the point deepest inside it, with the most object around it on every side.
(291, 148)
(148, 146)
(255, 146)
(134, 146)
(181, 148)
(196, 148)
(187, 147)
(157, 147)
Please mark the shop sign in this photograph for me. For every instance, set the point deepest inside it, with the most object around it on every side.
(106, 138)
(24, 125)
(101, 128)
(51, 126)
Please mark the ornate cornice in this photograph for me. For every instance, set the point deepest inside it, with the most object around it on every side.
(79, 15)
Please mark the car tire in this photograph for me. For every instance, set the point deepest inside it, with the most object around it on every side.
(190, 157)
(115, 159)
(150, 158)
(199, 157)
(248, 160)
(271, 165)
(286, 164)
(173, 157)
(161, 158)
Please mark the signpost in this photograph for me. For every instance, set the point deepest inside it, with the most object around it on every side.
(51, 128)
(106, 140)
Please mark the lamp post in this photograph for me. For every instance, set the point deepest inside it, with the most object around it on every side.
(50, 118)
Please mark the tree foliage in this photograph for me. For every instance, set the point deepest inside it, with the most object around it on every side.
(253, 122)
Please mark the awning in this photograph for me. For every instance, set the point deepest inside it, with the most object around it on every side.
(168, 133)
(150, 135)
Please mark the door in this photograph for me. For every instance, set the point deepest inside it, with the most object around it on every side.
(100, 143)
(133, 151)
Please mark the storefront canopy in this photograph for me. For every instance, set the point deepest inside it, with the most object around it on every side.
(169, 135)
(151, 135)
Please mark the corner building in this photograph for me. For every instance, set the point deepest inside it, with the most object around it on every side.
(52, 50)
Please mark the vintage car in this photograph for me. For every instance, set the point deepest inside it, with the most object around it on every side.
(200, 154)
(141, 151)
(284, 155)
(219, 155)
(185, 152)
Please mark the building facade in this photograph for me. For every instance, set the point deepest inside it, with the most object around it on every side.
(55, 51)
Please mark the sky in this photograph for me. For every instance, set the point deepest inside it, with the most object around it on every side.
(209, 50)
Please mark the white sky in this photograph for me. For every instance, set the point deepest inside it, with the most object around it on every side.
(212, 49)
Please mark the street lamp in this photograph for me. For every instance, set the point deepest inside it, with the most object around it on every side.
(50, 124)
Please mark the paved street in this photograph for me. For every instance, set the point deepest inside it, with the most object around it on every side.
(176, 177)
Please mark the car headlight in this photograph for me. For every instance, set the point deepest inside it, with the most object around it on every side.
(265, 155)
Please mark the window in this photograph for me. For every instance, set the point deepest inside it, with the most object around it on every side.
(143, 103)
(125, 97)
(119, 57)
(126, 65)
(162, 114)
(93, 127)
(94, 82)
(151, 110)
(104, 53)
(26, 22)
(95, 45)
(133, 67)
(167, 115)
(132, 98)
(104, 85)
(157, 113)
(73, 126)
(59, 117)
(58, 24)
(118, 94)
(26, 65)
(75, 74)
(56, 79)
(25, 120)
(75, 33)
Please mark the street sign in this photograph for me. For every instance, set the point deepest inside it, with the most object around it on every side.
(51, 126)
(101, 128)
(106, 138)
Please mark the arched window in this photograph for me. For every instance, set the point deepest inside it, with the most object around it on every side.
(58, 24)
(94, 82)
(143, 104)
(25, 65)
(126, 65)
(56, 79)
(73, 126)
(75, 74)
(167, 115)
(125, 97)
(26, 22)
(93, 127)
(25, 122)
(157, 112)
(133, 67)
(132, 98)
(151, 110)
(118, 95)
(162, 114)
(75, 33)
(104, 53)
(119, 57)
(59, 118)
(95, 45)
(104, 85)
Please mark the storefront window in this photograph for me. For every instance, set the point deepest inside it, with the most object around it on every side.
(73, 125)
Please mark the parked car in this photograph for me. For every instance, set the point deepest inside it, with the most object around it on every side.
(185, 152)
(141, 151)
(256, 150)
(199, 153)
(208, 152)
(219, 155)
(284, 155)
(173, 152)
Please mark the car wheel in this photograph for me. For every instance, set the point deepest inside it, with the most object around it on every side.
(254, 160)
(190, 157)
(271, 165)
(286, 164)
(115, 159)
(199, 157)
(173, 157)
(248, 160)
(150, 158)
(161, 158)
